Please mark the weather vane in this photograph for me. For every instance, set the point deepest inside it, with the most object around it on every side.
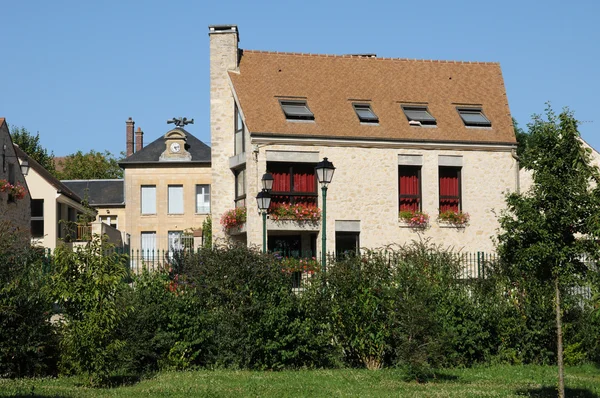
(182, 121)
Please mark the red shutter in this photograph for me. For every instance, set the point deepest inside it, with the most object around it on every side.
(281, 182)
(409, 189)
(449, 190)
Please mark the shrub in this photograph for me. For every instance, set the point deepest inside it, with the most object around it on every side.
(88, 284)
(28, 343)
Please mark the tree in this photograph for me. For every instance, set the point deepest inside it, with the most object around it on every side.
(548, 229)
(30, 144)
(522, 138)
(91, 165)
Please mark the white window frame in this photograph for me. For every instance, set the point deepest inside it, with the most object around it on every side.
(175, 199)
(203, 198)
(148, 199)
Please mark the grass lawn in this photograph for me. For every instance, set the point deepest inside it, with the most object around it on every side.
(494, 381)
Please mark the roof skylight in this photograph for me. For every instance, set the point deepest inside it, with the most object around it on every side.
(474, 117)
(365, 113)
(418, 115)
(296, 110)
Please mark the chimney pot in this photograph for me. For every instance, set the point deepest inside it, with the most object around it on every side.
(129, 127)
(139, 139)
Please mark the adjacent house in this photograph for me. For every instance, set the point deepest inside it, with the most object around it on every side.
(167, 190)
(55, 209)
(410, 136)
(14, 195)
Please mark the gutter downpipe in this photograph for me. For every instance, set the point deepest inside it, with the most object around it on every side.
(513, 152)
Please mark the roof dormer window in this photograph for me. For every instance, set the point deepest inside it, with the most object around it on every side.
(418, 115)
(474, 117)
(296, 110)
(365, 113)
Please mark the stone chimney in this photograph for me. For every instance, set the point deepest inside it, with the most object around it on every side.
(224, 56)
(139, 139)
(130, 125)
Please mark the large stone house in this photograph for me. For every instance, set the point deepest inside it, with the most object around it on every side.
(411, 135)
(167, 190)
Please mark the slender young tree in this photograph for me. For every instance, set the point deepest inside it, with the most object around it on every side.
(547, 230)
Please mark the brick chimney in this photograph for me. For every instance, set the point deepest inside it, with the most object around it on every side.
(130, 125)
(139, 139)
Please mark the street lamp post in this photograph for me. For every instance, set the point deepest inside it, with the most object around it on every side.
(325, 171)
(263, 200)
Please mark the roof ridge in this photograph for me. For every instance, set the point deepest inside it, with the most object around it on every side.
(350, 56)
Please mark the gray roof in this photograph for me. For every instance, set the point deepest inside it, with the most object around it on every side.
(99, 192)
(151, 153)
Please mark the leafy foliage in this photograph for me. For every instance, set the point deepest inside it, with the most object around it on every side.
(28, 342)
(88, 286)
(88, 166)
(30, 144)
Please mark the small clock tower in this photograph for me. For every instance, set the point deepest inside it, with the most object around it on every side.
(175, 151)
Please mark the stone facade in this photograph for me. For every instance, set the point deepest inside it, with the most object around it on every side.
(162, 176)
(364, 190)
(17, 212)
(223, 57)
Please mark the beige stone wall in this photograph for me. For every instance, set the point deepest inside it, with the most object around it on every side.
(223, 57)
(17, 212)
(162, 222)
(365, 188)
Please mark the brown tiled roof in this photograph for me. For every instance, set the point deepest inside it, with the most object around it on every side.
(332, 83)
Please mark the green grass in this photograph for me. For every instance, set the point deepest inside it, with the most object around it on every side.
(494, 381)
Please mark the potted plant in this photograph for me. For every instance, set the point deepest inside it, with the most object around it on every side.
(414, 219)
(233, 218)
(16, 191)
(456, 218)
(295, 212)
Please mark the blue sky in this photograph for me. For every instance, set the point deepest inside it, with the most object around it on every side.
(76, 70)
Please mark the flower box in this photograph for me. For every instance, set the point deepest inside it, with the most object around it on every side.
(16, 191)
(451, 218)
(413, 219)
(295, 212)
(233, 220)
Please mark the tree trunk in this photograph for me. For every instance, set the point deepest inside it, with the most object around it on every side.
(559, 343)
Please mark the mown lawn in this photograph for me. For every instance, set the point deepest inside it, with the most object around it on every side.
(494, 381)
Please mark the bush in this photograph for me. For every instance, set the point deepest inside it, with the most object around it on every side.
(28, 343)
(88, 284)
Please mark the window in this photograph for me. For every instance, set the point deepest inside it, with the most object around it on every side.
(203, 199)
(365, 113)
(109, 220)
(175, 242)
(239, 133)
(175, 199)
(148, 245)
(474, 117)
(148, 199)
(409, 188)
(37, 218)
(240, 188)
(293, 183)
(347, 243)
(296, 110)
(450, 187)
(418, 116)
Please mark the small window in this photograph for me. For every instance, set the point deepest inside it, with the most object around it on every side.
(450, 187)
(175, 199)
(240, 188)
(418, 116)
(296, 110)
(148, 199)
(409, 188)
(474, 117)
(203, 199)
(37, 218)
(239, 133)
(365, 113)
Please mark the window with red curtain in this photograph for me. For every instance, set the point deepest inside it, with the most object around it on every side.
(449, 189)
(409, 188)
(293, 183)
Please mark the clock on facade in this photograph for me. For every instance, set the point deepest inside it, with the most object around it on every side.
(175, 147)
